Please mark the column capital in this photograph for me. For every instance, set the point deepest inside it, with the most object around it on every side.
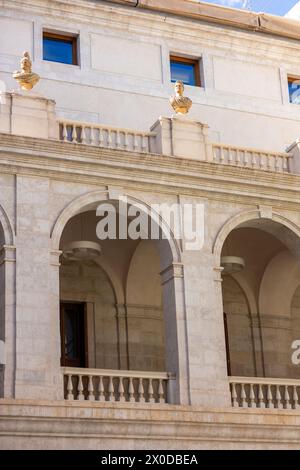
(7, 254)
(54, 257)
(174, 270)
(218, 273)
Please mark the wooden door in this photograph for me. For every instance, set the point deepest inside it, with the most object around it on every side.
(73, 334)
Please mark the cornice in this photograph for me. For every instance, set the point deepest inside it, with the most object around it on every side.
(159, 24)
(147, 172)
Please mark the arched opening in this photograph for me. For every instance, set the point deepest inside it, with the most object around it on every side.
(99, 330)
(261, 298)
(117, 313)
(2, 314)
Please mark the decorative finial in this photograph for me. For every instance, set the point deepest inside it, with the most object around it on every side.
(26, 78)
(181, 104)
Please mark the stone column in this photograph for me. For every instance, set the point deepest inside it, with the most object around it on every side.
(38, 373)
(176, 333)
(8, 320)
(205, 329)
(122, 337)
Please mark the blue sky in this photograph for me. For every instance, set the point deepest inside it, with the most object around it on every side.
(275, 7)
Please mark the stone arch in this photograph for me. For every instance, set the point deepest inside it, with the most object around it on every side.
(171, 277)
(114, 280)
(144, 302)
(86, 201)
(244, 285)
(7, 228)
(255, 216)
(282, 274)
(239, 329)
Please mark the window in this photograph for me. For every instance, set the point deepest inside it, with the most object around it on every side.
(60, 48)
(294, 89)
(186, 70)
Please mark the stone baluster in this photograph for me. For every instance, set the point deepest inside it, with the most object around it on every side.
(83, 135)
(295, 398)
(70, 395)
(141, 393)
(161, 395)
(238, 158)
(279, 404)
(246, 160)
(288, 405)
(252, 403)
(109, 139)
(222, 156)
(118, 140)
(261, 402)
(269, 162)
(235, 402)
(126, 142)
(135, 142)
(270, 398)
(131, 390)
(80, 395)
(64, 132)
(91, 396)
(101, 138)
(243, 397)
(215, 154)
(277, 163)
(121, 390)
(93, 136)
(151, 391)
(101, 389)
(74, 134)
(144, 139)
(111, 389)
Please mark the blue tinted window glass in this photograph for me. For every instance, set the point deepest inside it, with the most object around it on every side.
(294, 91)
(58, 50)
(183, 72)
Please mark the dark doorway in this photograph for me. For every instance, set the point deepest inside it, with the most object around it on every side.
(227, 345)
(73, 334)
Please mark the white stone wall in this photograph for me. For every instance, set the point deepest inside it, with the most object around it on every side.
(123, 76)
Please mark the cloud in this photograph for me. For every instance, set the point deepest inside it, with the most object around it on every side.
(233, 3)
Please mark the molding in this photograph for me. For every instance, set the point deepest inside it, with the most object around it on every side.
(26, 424)
(54, 258)
(175, 270)
(172, 175)
(7, 254)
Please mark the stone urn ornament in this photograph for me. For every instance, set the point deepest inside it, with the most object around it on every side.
(26, 78)
(181, 104)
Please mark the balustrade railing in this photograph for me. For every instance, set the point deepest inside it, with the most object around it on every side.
(146, 142)
(248, 392)
(115, 385)
(251, 158)
(105, 136)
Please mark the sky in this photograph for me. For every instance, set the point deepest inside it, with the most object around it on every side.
(275, 7)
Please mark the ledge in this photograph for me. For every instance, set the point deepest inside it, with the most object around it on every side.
(41, 424)
(257, 22)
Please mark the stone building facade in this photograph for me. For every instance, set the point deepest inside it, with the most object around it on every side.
(175, 348)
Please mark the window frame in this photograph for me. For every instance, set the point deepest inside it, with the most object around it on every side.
(291, 78)
(68, 38)
(189, 61)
